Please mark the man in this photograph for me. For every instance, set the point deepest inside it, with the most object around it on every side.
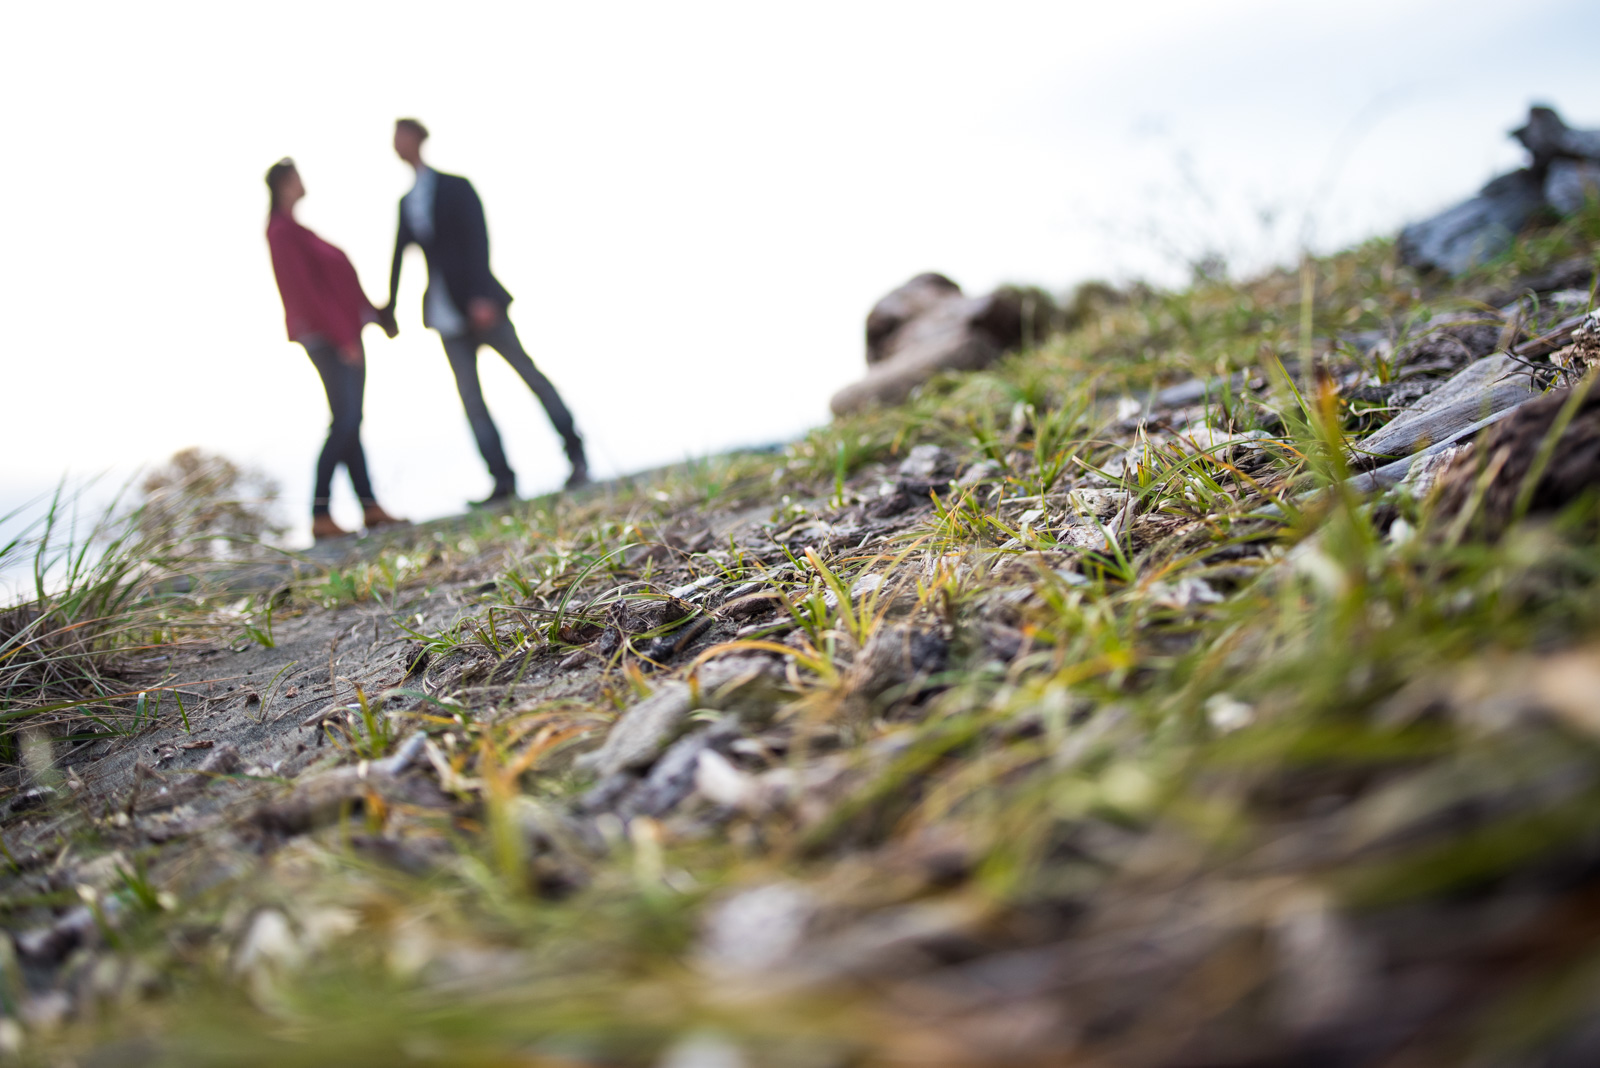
(467, 306)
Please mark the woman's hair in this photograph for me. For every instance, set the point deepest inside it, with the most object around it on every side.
(275, 176)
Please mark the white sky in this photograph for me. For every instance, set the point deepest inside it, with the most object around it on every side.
(694, 204)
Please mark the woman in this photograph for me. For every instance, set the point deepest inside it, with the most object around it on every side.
(324, 310)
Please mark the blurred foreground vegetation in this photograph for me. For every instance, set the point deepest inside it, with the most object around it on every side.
(1272, 774)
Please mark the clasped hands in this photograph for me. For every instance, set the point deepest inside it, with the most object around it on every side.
(386, 321)
(484, 313)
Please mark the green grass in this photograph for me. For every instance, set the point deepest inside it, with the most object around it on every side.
(63, 652)
(1208, 682)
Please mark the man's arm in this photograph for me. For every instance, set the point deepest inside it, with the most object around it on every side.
(475, 238)
(402, 238)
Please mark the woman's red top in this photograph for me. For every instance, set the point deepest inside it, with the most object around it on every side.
(321, 293)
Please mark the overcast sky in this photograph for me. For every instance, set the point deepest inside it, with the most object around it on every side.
(694, 204)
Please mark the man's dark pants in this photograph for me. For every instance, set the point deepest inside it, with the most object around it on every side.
(463, 354)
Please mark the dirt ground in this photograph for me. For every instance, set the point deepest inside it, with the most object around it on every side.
(1093, 725)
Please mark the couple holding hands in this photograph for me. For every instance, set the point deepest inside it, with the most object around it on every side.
(325, 310)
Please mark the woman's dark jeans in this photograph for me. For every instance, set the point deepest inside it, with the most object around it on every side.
(345, 384)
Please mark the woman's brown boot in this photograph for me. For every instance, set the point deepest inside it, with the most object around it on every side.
(323, 527)
(373, 516)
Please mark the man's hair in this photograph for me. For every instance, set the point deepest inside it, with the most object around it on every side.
(413, 126)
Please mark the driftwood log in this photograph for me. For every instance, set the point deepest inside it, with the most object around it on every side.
(1483, 388)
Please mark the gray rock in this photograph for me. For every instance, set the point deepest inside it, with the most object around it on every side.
(898, 656)
(608, 793)
(1571, 183)
(696, 590)
(980, 472)
(321, 798)
(703, 1049)
(927, 326)
(757, 930)
(642, 732)
(561, 848)
(1460, 238)
(76, 927)
(923, 463)
(1549, 138)
(46, 1011)
(742, 685)
(549, 829)
(672, 778)
(1477, 230)
(866, 584)
(916, 298)
(222, 760)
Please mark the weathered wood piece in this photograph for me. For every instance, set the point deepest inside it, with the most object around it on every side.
(1554, 338)
(1391, 474)
(1480, 389)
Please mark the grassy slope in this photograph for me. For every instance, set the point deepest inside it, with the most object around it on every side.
(1337, 811)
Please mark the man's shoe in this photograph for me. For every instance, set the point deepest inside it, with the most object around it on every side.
(502, 495)
(323, 527)
(579, 477)
(373, 516)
